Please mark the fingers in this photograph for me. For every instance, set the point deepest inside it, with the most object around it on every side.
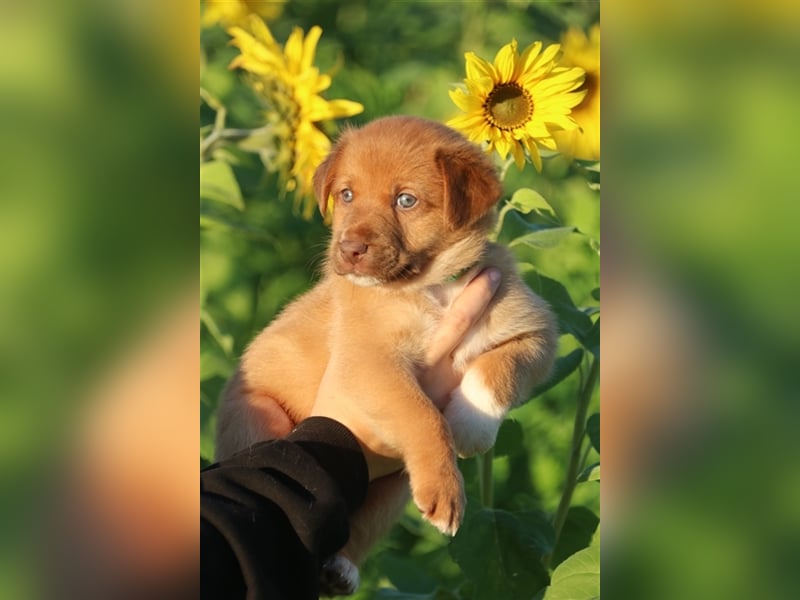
(467, 308)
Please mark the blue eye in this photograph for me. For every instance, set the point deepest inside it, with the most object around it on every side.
(347, 195)
(405, 200)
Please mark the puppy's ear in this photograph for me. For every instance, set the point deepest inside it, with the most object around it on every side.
(323, 178)
(471, 186)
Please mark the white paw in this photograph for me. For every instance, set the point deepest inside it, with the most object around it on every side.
(339, 577)
(474, 416)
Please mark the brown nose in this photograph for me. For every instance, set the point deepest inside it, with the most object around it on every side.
(352, 250)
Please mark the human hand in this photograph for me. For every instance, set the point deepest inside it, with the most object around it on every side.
(437, 377)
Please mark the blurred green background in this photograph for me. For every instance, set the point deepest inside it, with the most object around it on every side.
(98, 192)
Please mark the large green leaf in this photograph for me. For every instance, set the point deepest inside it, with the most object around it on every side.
(501, 552)
(576, 534)
(388, 594)
(563, 368)
(214, 215)
(509, 439)
(544, 237)
(590, 473)
(217, 182)
(592, 339)
(571, 319)
(526, 200)
(577, 578)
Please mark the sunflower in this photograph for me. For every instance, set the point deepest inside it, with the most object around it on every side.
(289, 84)
(518, 102)
(236, 12)
(584, 52)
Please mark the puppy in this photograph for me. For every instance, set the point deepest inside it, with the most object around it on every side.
(412, 205)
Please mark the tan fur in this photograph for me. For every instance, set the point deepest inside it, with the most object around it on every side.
(384, 289)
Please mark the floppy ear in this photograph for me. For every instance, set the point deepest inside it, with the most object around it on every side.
(323, 178)
(471, 186)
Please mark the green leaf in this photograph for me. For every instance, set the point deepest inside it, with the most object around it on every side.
(388, 594)
(509, 439)
(217, 182)
(257, 140)
(544, 238)
(570, 318)
(590, 473)
(219, 216)
(592, 339)
(526, 200)
(563, 368)
(406, 574)
(577, 578)
(593, 430)
(577, 533)
(501, 552)
(596, 294)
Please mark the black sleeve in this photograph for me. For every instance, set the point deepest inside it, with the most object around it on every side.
(270, 514)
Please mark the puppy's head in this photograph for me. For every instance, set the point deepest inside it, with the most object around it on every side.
(411, 201)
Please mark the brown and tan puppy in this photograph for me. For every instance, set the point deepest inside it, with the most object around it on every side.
(413, 203)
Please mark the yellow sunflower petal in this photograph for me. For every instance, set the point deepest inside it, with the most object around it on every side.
(479, 87)
(561, 121)
(527, 58)
(550, 53)
(310, 47)
(477, 67)
(536, 158)
(536, 129)
(505, 60)
(293, 50)
(519, 155)
(547, 142)
(505, 144)
(338, 109)
(464, 101)
(262, 33)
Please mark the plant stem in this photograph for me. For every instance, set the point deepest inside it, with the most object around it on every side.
(485, 478)
(575, 456)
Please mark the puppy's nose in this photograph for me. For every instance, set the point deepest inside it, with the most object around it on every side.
(352, 250)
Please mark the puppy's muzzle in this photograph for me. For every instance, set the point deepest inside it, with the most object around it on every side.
(352, 250)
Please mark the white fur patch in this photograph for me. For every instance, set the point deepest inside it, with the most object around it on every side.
(363, 280)
(339, 577)
(474, 415)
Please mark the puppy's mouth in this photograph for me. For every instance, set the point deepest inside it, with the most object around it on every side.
(377, 266)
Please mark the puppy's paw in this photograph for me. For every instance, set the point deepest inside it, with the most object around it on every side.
(441, 500)
(474, 416)
(339, 577)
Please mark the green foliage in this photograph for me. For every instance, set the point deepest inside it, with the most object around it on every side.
(534, 500)
(577, 577)
(501, 552)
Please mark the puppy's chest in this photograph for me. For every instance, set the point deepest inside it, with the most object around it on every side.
(402, 324)
(388, 317)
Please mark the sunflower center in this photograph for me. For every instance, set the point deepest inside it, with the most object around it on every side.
(508, 106)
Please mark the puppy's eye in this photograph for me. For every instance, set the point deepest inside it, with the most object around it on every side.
(405, 200)
(347, 195)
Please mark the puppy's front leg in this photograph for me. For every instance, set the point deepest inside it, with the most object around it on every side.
(388, 400)
(493, 383)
